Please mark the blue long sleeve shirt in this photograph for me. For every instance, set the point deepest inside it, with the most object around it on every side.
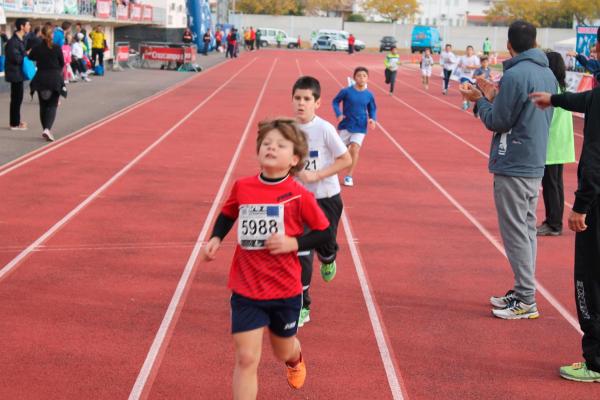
(593, 66)
(358, 107)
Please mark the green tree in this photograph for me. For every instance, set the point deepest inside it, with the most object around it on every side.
(546, 13)
(394, 10)
(582, 10)
(342, 6)
(355, 18)
(272, 7)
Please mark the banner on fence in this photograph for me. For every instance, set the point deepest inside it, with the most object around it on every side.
(70, 7)
(167, 54)
(44, 6)
(2, 19)
(122, 52)
(586, 39)
(103, 8)
(122, 12)
(147, 13)
(135, 12)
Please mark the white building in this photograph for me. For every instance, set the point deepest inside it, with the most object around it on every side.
(439, 12)
(176, 12)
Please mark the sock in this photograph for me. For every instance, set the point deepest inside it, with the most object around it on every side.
(294, 364)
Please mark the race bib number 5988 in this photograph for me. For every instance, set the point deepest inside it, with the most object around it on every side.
(257, 222)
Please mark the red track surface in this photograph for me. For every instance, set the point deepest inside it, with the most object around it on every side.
(81, 310)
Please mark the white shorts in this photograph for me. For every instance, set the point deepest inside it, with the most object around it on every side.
(426, 72)
(349, 137)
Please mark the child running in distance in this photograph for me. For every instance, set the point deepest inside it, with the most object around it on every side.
(467, 64)
(426, 67)
(392, 61)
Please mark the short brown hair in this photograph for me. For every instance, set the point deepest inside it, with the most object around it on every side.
(483, 58)
(289, 130)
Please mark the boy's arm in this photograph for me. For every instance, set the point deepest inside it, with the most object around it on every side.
(336, 102)
(372, 109)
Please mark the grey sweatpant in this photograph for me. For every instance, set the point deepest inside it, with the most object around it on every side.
(516, 201)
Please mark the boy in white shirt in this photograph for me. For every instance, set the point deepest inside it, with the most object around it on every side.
(448, 61)
(426, 67)
(468, 64)
(327, 155)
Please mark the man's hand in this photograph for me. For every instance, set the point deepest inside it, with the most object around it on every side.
(541, 99)
(309, 176)
(488, 88)
(470, 92)
(209, 251)
(281, 244)
(373, 123)
(577, 222)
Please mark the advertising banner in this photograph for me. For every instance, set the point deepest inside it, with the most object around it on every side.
(586, 39)
(168, 54)
(12, 5)
(123, 53)
(70, 7)
(147, 13)
(44, 6)
(122, 13)
(26, 5)
(135, 12)
(2, 18)
(103, 8)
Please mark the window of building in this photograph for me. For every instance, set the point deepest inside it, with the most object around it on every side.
(172, 7)
(434, 22)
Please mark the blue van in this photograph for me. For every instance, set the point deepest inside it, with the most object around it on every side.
(424, 37)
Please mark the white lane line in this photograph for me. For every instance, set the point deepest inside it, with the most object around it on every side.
(442, 127)
(176, 301)
(543, 291)
(393, 374)
(35, 154)
(15, 261)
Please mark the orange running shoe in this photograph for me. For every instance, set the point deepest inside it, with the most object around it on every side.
(296, 375)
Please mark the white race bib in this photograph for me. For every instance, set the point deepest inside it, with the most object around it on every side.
(312, 161)
(257, 222)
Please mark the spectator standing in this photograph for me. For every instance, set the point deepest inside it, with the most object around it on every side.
(219, 39)
(231, 44)
(351, 41)
(60, 33)
(13, 72)
(98, 42)
(252, 38)
(487, 47)
(517, 159)
(258, 37)
(206, 41)
(188, 37)
(48, 81)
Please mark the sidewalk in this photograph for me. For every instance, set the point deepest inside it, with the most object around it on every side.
(86, 103)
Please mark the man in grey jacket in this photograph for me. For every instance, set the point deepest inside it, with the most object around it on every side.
(517, 159)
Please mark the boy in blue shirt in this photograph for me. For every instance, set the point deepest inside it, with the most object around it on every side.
(485, 71)
(359, 109)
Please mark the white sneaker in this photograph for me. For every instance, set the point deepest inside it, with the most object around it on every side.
(85, 78)
(503, 301)
(21, 127)
(48, 135)
(348, 181)
(517, 310)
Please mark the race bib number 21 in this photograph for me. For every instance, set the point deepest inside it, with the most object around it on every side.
(257, 222)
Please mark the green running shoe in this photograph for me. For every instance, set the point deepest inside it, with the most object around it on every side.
(579, 372)
(304, 317)
(328, 271)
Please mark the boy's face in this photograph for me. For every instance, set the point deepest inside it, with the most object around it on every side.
(276, 153)
(448, 49)
(394, 50)
(484, 64)
(469, 51)
(361, 78)
(427, 52)
(305, 105)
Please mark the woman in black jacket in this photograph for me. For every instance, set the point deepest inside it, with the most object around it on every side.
(48, 81)
(15, 53)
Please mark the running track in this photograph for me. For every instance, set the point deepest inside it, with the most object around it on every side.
(102, 297)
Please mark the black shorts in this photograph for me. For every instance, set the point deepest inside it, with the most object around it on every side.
(280, 315)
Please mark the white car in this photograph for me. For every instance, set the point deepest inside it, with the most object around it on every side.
(326, 42)
(268, 37)
(337, 37)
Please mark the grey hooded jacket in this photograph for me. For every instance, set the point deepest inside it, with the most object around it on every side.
(520, 129)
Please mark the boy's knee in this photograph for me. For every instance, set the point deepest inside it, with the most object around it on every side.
(284, 354)
(247, 359)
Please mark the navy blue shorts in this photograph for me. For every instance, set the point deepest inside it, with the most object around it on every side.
(280, 315)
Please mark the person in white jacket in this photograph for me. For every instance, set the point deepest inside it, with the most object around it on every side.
(77, 60)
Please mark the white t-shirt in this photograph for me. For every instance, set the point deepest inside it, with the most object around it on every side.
(448, 60)
(77, 50)
(465, 62)
(324, 146)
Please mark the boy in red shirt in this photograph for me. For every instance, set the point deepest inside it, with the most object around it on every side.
(272, 209)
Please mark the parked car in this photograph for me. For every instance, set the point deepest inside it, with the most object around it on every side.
(268, 37)
(425, 37)
(339, 37)
(326, 42)
(387, 42)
